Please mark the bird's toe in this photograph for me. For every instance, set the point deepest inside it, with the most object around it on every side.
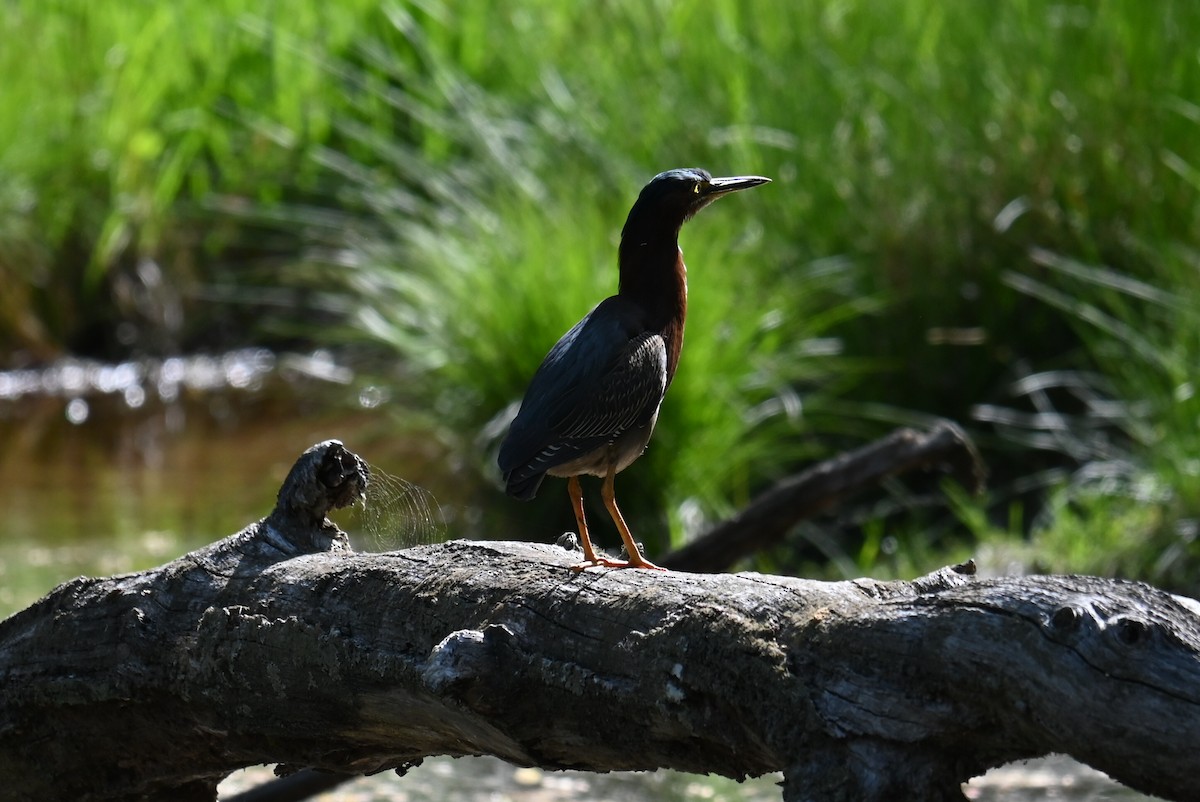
(608, 562)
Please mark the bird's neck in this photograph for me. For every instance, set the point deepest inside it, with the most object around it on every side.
(653, 276)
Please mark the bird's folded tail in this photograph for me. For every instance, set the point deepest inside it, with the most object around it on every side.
(521, 485)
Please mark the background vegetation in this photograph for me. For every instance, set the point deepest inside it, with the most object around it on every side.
(983, 212)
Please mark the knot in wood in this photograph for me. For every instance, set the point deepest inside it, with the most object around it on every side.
(326, 476)
(569, 541)
(968, 568)
(1131, 631)
(1066, 619)
(464, 657)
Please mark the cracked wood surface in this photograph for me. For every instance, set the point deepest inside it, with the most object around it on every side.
(279, 645)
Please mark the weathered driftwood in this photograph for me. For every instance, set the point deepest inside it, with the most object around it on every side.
(280, 645)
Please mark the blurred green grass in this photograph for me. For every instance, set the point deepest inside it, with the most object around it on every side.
(985, 212)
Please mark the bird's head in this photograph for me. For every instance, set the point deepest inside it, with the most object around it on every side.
(671, 198)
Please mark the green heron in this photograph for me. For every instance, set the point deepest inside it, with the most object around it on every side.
(592, 405)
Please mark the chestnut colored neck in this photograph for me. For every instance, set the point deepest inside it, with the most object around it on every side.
(653, 276)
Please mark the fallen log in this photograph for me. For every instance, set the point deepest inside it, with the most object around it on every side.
(281, 645)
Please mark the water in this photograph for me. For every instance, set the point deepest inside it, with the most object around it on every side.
(107, 469)
(1051, 779)
(472, 779)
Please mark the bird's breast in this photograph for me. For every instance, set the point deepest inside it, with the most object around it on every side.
(672, 332)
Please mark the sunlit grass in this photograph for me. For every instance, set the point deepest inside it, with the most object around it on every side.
(446, 184)
(118, 122)
(928, 167)
(1132, 507)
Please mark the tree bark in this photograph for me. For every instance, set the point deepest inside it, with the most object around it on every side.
(280, 645)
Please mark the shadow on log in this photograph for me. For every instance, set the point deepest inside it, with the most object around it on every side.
(280, 645)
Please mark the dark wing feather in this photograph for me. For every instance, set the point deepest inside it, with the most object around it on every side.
(603, 377)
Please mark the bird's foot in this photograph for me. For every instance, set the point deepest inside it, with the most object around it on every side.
(638, 561)
(644, 563)
(608, 562)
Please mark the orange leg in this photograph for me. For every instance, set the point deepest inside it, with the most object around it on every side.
(590, 559)
(636, 560)
(589, 554)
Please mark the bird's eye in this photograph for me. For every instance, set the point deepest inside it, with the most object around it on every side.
(696, 188)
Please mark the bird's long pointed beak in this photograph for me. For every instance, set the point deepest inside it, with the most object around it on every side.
(723, 186)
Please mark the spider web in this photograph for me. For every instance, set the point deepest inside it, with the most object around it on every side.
(398, 514)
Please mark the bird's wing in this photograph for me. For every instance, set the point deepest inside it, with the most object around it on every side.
(623, 396)
(603, 377)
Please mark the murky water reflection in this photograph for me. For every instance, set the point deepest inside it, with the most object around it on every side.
(105, 469)
(1051, 779)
